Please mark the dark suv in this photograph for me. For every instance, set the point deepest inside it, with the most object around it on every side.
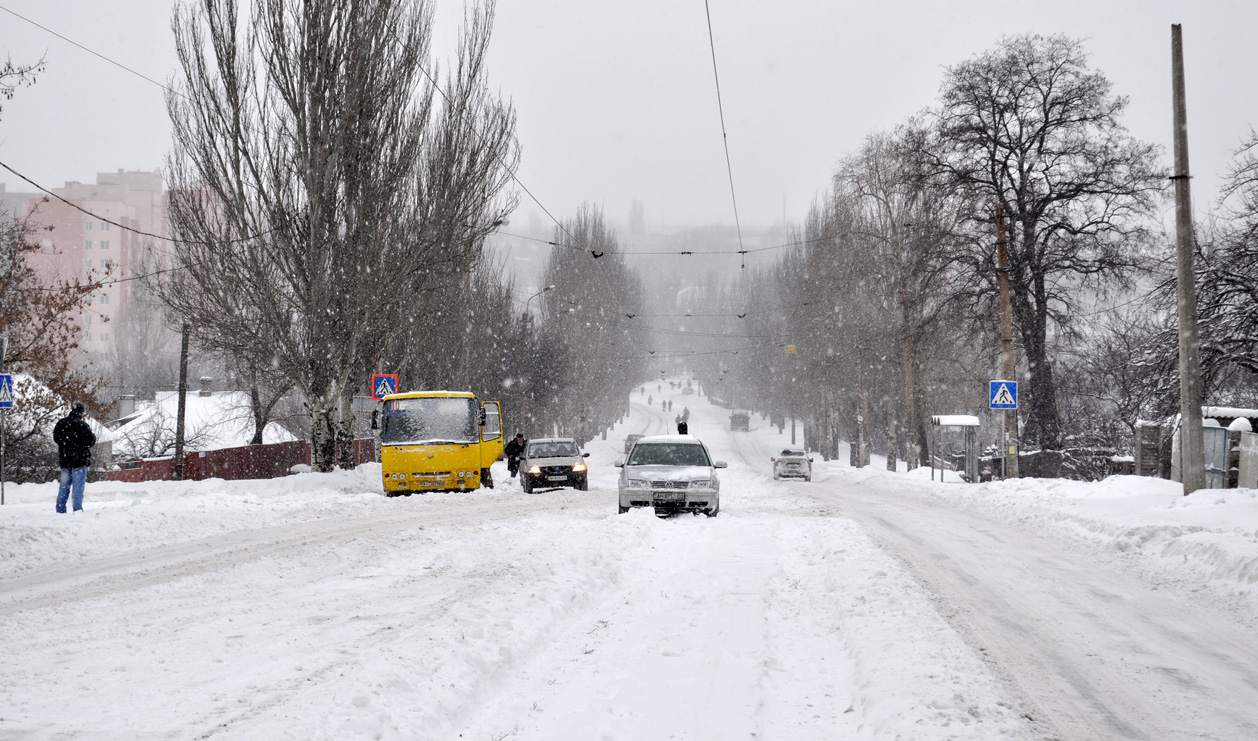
(553, 462)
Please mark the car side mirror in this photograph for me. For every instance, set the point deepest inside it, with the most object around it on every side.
(620, 463)
(585, 455)
(810, 460)
(720, 464)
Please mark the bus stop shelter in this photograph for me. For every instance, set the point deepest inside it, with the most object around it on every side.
(955, 434)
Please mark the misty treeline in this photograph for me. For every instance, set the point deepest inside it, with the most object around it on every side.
(891, 299)
(582, 357)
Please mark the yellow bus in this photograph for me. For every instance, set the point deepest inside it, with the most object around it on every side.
(438, 441)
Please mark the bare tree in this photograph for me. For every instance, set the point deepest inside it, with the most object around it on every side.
(1031, 127)
(321, 191)
(14, 76)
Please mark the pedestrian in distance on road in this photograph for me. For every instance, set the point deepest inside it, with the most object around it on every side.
(670, 405)
(513, 450)
(74, 438)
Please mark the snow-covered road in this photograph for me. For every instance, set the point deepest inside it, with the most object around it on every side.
(862, 605)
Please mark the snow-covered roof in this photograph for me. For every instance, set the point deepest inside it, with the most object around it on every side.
(26, 386)
(954, 420)
(220, 420)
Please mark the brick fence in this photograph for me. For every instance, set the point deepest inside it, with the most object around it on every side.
(246, 462)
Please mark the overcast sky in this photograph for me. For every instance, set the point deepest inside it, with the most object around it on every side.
(617, 101)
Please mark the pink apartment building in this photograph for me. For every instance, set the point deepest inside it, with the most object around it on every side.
(79, 245)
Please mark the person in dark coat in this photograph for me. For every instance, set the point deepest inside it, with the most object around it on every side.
(513, 450)
(74, 440)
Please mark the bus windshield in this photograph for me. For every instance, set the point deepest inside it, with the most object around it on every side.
(429, 421)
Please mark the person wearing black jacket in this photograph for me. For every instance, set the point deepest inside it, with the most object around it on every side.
(74, 440)
(513, 450)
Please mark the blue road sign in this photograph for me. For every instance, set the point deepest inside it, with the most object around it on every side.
(382, 385)
(1004, 395)
(6, 390)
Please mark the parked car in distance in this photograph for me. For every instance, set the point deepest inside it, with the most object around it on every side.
(792, 463)
(553, 462)
(740, 419)
(672, 473)
(629, 441)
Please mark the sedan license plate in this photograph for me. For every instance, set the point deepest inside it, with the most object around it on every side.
(669, 497)
(556, 478)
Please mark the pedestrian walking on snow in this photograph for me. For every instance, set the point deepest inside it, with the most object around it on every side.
(74, 438)
(513, 450)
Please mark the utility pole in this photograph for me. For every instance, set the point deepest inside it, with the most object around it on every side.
(4, 416)
(183, 402)
(1008, 367)
(1191, 456)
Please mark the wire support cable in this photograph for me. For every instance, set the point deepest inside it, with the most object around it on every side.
(720, 107)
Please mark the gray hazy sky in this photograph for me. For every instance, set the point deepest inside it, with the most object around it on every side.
(616, 101)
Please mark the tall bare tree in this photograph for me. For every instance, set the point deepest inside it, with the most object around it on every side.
(1029, 126)
(322, 190)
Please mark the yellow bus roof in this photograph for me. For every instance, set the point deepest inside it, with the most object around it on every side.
(431, 395)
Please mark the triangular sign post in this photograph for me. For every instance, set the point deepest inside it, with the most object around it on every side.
(383, 385)
(6, 391)
(1004, 395)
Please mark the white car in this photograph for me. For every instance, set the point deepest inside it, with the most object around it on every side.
(672, 473)
(792, 463)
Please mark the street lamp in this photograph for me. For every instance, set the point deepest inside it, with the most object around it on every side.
(528, 318)
(526, 303)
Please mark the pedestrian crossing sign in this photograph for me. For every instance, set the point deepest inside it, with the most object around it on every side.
(382, 385)
(6, 391)
(1004, 395)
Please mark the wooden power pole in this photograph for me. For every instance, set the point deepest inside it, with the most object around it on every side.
(1009, 446)
(183, 401)
(1191, 456)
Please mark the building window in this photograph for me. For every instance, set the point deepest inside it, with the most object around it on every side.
(104, 337)
(104, 298)
(87, 226)
(104, 226)
(87, 245)
(87, 264)
(104, 244)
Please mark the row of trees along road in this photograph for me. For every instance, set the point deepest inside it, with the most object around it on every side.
(579, 365)
(893, 296)
(331, 203)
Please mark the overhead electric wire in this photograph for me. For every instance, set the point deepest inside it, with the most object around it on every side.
(97, 54)
(126, 228)
(724, 137)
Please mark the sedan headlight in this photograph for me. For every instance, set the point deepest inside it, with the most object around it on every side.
(534, 469)
(578, 468)
(702, 484)
(638, 484)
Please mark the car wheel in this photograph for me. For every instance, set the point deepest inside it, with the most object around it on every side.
(525, 484)
(624, 510)
(713, 512)
(776, 477)
(583, 485)
(808, 478)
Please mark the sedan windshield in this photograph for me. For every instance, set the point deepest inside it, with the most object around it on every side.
(553, 450)
(668, 454)
(429, 420)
